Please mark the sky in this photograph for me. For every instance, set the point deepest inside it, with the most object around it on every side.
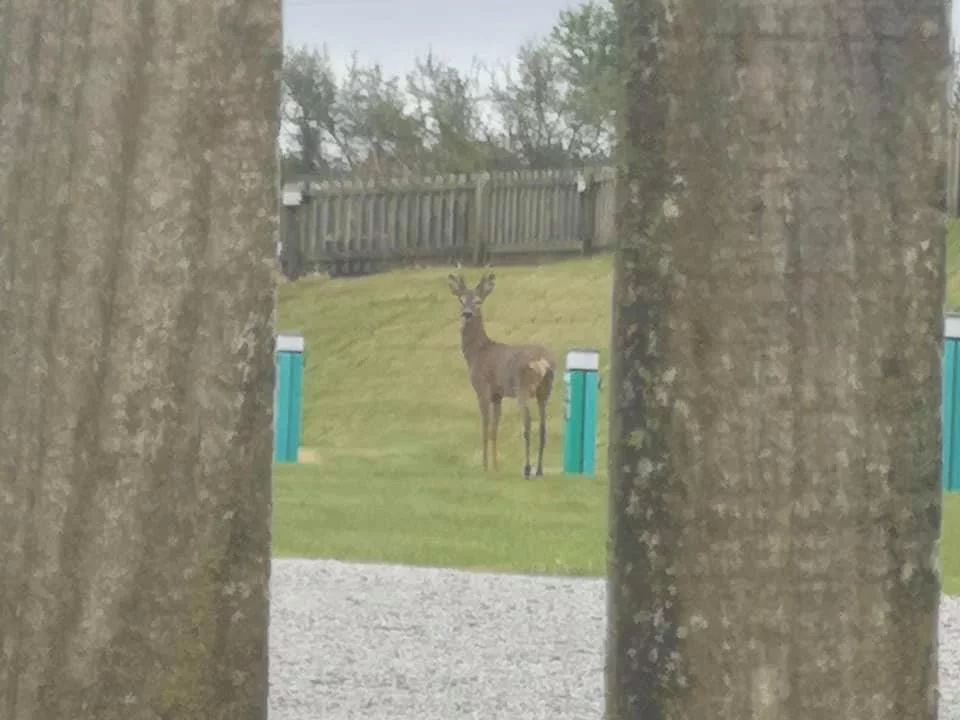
(395, 32)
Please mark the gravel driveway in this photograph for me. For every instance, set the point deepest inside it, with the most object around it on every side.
(374, 642)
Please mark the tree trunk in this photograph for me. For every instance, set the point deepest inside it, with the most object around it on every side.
(138, 222)
(775, 439)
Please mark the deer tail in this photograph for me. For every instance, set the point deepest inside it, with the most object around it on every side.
(541, 366)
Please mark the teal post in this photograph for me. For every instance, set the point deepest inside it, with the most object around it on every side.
(951, 423)
(287, 398)
(582, 385)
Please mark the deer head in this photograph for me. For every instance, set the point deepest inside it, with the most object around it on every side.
(471, 299)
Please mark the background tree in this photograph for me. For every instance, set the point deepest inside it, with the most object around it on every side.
(378, 136)
(449, 109)
(533, 109)
(551, 106)
(309, 110)
(586, 43)
(778, 322)
(137, 228)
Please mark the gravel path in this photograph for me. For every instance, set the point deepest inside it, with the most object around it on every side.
(377, 642)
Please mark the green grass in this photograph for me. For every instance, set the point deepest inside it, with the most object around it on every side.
(392, 422)
(953, 266)
(445, 518)
(950, 544)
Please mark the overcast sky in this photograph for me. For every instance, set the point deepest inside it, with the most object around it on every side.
(394, 32)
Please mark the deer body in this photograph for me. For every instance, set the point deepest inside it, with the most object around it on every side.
(498, 370)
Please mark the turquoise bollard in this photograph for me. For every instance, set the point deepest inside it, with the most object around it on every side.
(949, 415)
(582, 385)
(287, 397)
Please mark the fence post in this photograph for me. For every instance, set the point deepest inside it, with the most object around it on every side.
(291, 253)
(311, 244)
(479, 226)
(953, 165)
(588, 212)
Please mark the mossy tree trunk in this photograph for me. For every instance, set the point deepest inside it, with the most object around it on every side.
(775, 439)
(138, 220)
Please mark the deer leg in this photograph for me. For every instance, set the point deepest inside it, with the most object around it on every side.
(494, 426)
(543, 436)
(485, 422)
(525, 414)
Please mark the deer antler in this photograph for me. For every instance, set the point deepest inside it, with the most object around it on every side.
(457, 283)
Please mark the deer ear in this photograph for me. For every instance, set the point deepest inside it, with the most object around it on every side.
(455, 283)
(486, 285)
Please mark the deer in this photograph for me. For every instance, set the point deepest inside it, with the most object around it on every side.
(498, 370)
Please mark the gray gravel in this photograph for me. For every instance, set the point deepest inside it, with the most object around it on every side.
(374, 642)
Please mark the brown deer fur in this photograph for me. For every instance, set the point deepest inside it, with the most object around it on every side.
(498, 370)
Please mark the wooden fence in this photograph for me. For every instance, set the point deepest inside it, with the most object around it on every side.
(953, 164)
(355, 227)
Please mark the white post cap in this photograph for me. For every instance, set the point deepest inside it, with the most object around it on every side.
(583, 360)
(289, 343)
(951, 327)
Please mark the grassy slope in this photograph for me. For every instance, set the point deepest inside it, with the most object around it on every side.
(953, 267)
(393, 421)
(392, 417)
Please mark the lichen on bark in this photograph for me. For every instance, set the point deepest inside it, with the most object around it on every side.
(137, 231)
(775, 439)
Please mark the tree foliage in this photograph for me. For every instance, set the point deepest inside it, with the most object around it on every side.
(553, 105)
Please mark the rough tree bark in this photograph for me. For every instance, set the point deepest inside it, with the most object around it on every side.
(138, 220)
(775, 442)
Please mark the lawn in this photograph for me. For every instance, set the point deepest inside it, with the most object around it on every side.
(391, 431)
